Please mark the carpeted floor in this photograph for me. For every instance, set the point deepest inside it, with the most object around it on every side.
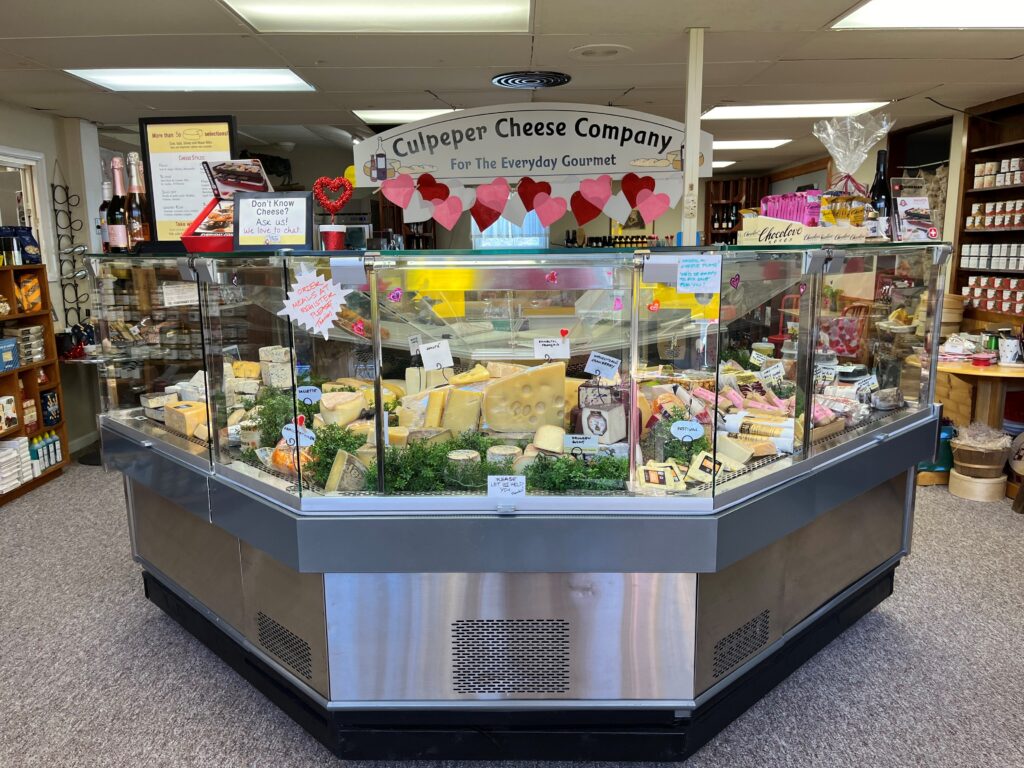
(92, 674)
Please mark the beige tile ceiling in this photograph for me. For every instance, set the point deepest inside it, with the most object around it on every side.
(755, 51)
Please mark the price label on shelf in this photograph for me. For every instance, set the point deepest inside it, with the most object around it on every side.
(298, 435)
(773, 374)
(179, 294)
(687, 430)
(758, 358)
(414, 344)
(825, 373)
(585, 443)
(506, 486)
(605, 366)
(308, 394)
(436, 355)
(551, 348)
(868, 385)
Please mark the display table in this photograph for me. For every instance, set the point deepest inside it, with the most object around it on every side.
(991, 383)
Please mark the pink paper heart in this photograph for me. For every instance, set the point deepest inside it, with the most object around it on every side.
(597, 191)
(399, 189)
(493, 195)
(651, 204)
(549, 209)
(447, 212)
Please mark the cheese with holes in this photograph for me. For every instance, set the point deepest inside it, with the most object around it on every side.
(243, 369)
(347, 474)
(158, 399)
(501, 370)
(435, 407)
(184, 417)
(550, 438)
(527, 400)
(477, 374)
(462, 411)
(341, 408)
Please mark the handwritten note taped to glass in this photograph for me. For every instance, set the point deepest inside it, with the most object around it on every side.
(699, 273)
(506, 486)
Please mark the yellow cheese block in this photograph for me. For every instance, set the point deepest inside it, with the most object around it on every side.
(550, 438)
(243, 369)
(362, 427)
(185, 416)
(435, 407)
(477, 374)
(406, 416)
(644, 406)
(347, 474)
(202, 432)
(367, 455)
(527, 400)
(734, 449)
(572, 399)
(237, 416)
(341, 408)
(500, 370)
(462, 411)
(395, 386)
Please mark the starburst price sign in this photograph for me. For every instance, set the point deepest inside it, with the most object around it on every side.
(314, 301)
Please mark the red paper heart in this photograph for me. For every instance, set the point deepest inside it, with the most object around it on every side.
(329, 205)
(483, 215)
(431, 189)
(529, 189)
(564, 332)
(632, 184)
(583, 209)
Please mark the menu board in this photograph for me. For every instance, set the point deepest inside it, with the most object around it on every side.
(174, 150)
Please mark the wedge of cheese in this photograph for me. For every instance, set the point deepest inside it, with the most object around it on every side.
(158, 399)
(550, 439)
(237, 416)
(734, 449)
(341, 408)
(367, 455)
(347, 474)
(477, 374)
(435, 407)
(572, 399)
(501, 370)
(527, 400)
(184, 417)
(462, 410)
(202, 432)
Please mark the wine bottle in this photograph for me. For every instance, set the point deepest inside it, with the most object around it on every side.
(136, 205)
(108, 192)
(714, 218)
(881, 198)
(117, 219)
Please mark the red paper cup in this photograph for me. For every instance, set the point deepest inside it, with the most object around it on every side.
(332, 237)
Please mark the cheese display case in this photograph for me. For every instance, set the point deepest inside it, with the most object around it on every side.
(533, 503)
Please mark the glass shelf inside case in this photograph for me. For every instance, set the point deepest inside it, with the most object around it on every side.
(150, 349)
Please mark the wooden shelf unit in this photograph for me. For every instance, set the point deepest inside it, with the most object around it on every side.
(992, 131)
(23, 382)
(722, 194)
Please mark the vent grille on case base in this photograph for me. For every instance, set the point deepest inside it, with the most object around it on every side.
(494, 656)
(288, 647)
(740, 644)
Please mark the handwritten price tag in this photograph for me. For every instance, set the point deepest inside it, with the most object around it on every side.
(773, 374)
(436, 355)
(308, 394)
(825, 373)
(605, 366)
(551, 349)
(505, 486)
(414, 344)
(298, 435)
(870, 384)
(757, 358)
(686, 430)
(585, 443)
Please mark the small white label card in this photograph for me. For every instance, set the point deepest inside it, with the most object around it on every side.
(687, 430)
(308, 394)
(300, 436)
(757, 358)
(870, 384)
(773, 374)
(436, 355)
(505, 486)
(585, 443)
(605, 366)
(414, 344)
(180, 294)
(699, 273)
(552, 348)
(825, 373)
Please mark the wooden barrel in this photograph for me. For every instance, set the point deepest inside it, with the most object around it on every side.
(977, 488)
(977, 462)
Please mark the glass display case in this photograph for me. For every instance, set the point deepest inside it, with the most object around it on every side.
(150, 350)
(677, 379)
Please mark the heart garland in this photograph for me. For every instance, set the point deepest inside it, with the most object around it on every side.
(325, 202)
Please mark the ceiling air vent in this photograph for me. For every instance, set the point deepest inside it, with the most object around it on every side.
(530, 81)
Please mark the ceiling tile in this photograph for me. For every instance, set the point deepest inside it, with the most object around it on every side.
(402, 50)
(893, 71)
(97, 107)
(10, 60)
(227, 102)
(390, 100)
(552, 51)
(910, 44)
(41, 82)
(750, 45)
(784, 93)
(395, 79)
(116, 17)
(585, 16)
(145, 51)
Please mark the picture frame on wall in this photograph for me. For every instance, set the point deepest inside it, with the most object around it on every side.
(177, 186)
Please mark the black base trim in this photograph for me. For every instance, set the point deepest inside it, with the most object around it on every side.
(616, 735)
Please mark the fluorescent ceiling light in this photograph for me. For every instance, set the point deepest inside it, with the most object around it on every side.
(765, 111)
(934, 14)
(392, 16)
(397, 116)
(751, 144)
(194, 79)
(722, 163)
